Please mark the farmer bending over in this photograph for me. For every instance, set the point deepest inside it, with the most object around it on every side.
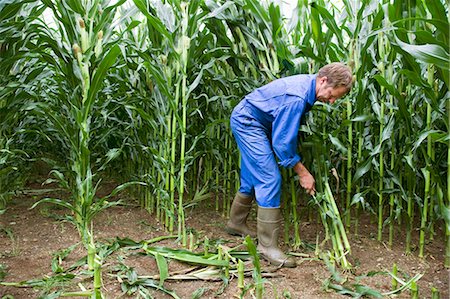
(265, 125)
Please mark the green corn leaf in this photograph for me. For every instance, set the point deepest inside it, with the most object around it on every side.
(362, 118)
(445, 212)
(259, 12)
(362, 169)
(256, 264)
(330, 21)
(340, 147)
(428, 53)
(101, 205)
(10, 8)
(316, 26)
(438, 10)
(199, 293)
(112, 154)
(390, 87)
(435, 135)
(157, 75)
(275, 19)
(385, 135)
(409, 160)
(76, 6)
(163, 268)
(112, 8)
(158, 239)
(218, 11)
(123, 186)
(195, 83)
(186, 256)
(144, 115)
(155, 22)
(363, 291)
(341, 289)
(58, 202)
(100, 74)
(359, 198)
(388, 129)
(151, 283)
(404, 286)
(60, 179)
(60, 256)
(307, 51)
(415, 78)
(132, 25)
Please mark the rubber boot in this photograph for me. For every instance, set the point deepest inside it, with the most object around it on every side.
(237, 225)
(269, 221)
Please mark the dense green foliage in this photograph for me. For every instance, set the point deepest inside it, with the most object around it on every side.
(142, 91)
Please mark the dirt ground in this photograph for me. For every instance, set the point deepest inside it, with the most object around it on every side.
(28, 238)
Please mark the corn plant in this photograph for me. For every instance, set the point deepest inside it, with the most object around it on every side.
(162, 112)
(17, 147)
(75, 55)
(384, 48)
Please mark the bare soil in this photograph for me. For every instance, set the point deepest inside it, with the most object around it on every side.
(29, 238)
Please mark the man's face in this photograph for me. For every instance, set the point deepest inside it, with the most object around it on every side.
(327, 93)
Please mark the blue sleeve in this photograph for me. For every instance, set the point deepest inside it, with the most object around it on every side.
(285, 130)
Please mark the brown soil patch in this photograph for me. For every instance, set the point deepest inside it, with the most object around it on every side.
(28, 238)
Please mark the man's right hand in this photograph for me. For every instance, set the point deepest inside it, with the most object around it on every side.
(305, 178)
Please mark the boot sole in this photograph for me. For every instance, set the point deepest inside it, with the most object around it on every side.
(233, 232)
(278, 264)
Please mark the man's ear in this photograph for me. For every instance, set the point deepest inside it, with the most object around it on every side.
(323, 80)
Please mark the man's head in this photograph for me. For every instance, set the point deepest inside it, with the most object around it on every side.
(333, 82)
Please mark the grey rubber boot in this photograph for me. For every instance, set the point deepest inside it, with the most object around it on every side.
(269, 221)
(240, 208)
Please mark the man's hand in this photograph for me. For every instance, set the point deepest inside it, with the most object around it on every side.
(307, 181)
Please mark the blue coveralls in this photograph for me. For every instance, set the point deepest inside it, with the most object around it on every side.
(265, 124)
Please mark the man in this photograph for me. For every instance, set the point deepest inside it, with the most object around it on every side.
(265, 125)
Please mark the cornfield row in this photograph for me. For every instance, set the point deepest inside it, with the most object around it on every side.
(142, 91)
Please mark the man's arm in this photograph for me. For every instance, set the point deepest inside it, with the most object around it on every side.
(307, 181)
(285, 131)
